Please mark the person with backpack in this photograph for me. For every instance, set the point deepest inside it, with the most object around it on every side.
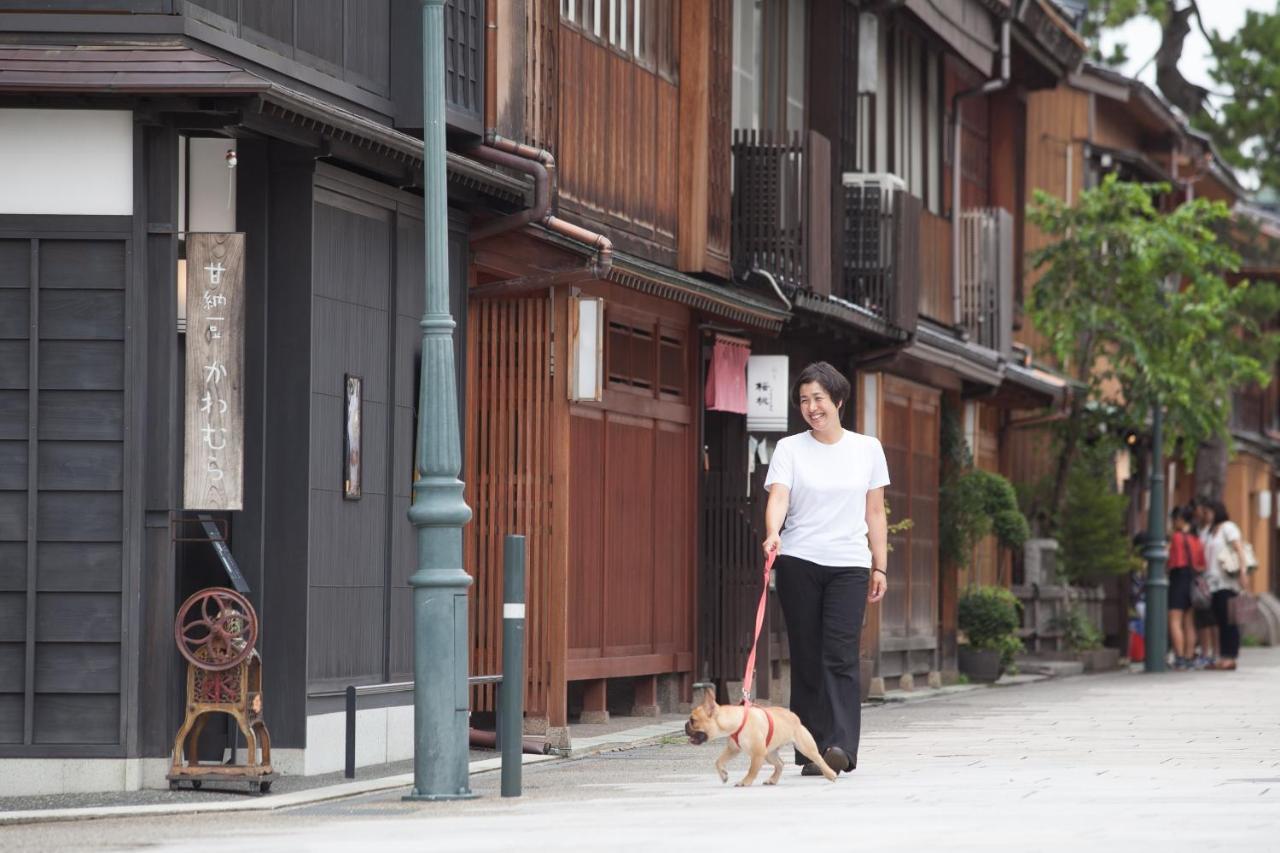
(1186, 562)
(1227, 574)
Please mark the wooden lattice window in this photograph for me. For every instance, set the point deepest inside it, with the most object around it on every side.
(672, 375)
(631, 356)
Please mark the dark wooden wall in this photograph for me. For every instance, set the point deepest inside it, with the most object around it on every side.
(346, 39)
(66, 526)
(617, 144)
(366, 303)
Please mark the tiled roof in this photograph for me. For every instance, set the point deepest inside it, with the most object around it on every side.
(122, 68)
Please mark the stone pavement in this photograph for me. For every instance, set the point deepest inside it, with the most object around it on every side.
(1124, 762)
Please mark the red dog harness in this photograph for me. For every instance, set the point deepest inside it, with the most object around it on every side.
(768, 737)
(749, 676)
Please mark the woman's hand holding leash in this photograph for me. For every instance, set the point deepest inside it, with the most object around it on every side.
(771, 544)
(878, 586)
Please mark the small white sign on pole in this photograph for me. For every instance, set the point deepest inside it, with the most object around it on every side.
(767, 392)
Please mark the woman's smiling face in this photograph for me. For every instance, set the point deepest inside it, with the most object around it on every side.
(819, 410)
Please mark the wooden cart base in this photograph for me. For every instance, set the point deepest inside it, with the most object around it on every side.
(258, 779)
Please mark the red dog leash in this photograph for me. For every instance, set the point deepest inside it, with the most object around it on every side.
(749, 676)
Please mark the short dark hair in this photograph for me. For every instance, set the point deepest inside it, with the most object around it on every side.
(1188, 514)
(831, 380)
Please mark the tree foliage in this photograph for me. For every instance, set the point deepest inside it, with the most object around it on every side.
(1092, 544)
(973, 502)
(1242, 114)
(1105, 303)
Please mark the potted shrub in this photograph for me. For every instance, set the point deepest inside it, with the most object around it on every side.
(989, 618)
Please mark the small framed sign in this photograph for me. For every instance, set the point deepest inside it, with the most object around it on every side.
(351, 438)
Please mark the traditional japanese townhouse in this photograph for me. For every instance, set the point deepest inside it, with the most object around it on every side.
(900, 266)
(1099, 122)
(128, 129)
(588, 316)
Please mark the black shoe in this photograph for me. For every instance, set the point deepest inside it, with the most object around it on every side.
(837, 759)
(810, 769)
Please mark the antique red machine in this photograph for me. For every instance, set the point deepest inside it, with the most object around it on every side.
(216, 631)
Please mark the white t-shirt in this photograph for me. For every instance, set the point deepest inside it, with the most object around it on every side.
(1225, 537)
(827, 519)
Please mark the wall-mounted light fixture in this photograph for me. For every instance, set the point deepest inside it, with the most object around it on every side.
(586, 348)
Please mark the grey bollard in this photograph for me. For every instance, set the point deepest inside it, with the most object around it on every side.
(511, 694)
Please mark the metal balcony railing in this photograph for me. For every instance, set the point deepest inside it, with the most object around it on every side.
(984, 301)
(769, 199)
(856, 240)
(880, 267)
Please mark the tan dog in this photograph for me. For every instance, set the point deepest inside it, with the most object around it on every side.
(762, 734)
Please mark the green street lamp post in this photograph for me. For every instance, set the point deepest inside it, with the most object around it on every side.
(440, 694)
(1157, 616)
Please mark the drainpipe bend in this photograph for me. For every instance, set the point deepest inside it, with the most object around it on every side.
(993, 85)
(541, 165)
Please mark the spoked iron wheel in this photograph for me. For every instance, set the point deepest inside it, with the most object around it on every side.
(216, 629)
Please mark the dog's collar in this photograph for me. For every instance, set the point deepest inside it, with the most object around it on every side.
(746, 713)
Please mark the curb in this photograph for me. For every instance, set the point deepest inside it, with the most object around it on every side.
(265, 804)
(588, 746)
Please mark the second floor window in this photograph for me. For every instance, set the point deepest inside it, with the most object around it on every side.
(646, 31)
(769, 64)
(910, 113)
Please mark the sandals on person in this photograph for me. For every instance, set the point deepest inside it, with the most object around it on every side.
(1223, 665)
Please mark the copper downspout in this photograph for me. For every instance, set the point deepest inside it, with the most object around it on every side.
(541, 165)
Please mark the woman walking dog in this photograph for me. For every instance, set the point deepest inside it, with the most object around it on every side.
(826, 519)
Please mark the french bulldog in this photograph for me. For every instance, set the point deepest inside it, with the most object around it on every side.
(761, 734)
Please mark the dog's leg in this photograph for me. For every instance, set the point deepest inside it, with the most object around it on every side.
(725, 757)
(756, 760)
(809, 749)
(773, 759)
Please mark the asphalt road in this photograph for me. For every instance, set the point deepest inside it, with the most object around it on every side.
(1123, 762)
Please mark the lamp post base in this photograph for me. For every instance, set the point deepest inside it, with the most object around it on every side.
(414, 796)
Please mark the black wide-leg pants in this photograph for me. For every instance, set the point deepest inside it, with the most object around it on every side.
(823, 608)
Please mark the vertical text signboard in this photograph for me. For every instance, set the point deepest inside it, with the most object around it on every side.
(214, 447)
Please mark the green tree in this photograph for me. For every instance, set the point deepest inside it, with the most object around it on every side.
(1104, 304)
(1092, 544)
(973, 502)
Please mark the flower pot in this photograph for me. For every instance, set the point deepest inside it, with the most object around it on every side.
(980, 664)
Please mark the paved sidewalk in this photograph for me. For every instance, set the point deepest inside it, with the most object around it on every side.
(1123, 762)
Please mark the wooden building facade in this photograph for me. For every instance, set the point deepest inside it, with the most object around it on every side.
(900, 261)
(288, 129)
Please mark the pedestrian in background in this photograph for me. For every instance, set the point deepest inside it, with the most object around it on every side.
(1186, 558)
(1227, 578)
(1206, 627)
(825, 520)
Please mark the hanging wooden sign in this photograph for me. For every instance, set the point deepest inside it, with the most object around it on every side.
(214, 448)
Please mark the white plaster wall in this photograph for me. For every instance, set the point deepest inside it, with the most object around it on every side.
(383, 735)
(20, 777)
(66, 162)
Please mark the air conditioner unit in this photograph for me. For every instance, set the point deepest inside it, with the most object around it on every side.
(885, 180)
(868, 204)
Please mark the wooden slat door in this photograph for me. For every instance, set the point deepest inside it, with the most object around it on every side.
(63, 465)
(507, 472)
(910, 434)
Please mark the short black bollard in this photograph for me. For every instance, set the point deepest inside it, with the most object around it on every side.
(351, 733)
(511, 696)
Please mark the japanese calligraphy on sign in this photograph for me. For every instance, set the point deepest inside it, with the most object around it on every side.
(214, 446)
(767, 390)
